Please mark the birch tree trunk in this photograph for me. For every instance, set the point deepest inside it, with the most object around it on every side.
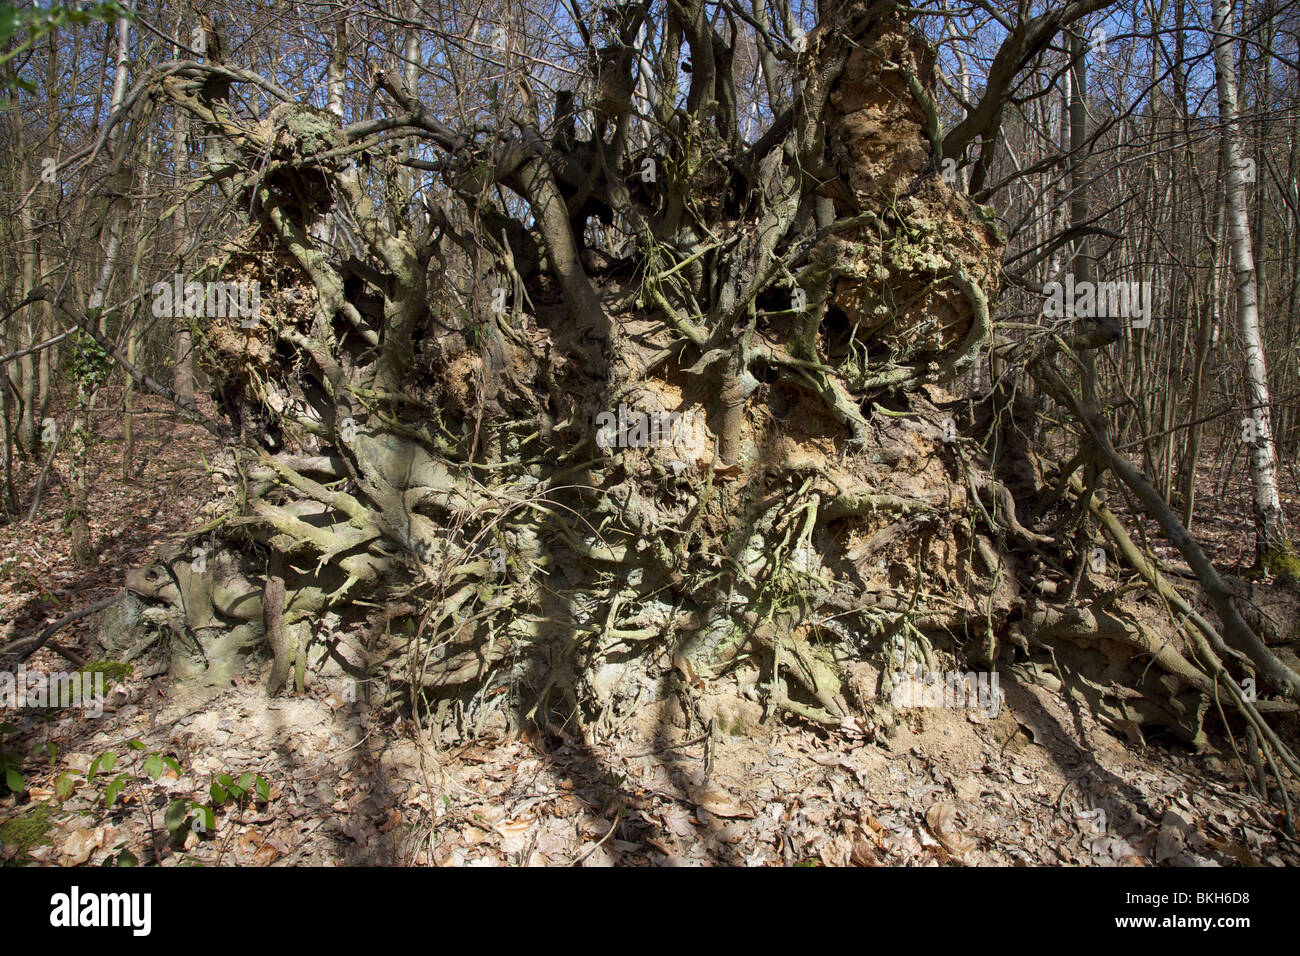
(1272, 548)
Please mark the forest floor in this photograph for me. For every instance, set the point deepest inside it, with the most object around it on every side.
(1039, 783)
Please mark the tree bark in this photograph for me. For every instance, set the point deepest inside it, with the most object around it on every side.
(1272, 546)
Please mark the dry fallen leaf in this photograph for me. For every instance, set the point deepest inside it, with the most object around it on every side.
(266, 855)
(80, 844)
(836, 852)
(1175, 828)
(661, 846)
(721, 804)
(944, 824)
(514, 834)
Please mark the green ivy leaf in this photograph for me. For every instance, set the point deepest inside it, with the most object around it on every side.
(263, 788)
(153, 766)
(8, 23)
(15, 781)
(136, 745)
(208, 818)
(64, 786)
(114, 789)
(177, 811)
(219, 794)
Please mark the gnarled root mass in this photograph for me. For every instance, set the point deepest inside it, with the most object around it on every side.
(677, 461)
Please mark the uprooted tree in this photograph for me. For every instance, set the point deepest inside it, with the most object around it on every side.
(545, 419)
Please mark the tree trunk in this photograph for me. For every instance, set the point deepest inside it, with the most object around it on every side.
(1272, 546)
(89, 375)
(183, 345)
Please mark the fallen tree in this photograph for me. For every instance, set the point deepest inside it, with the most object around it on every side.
(463, 499)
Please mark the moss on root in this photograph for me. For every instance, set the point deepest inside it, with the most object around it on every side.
(27, 831)
(1282, 562)
(113, 671)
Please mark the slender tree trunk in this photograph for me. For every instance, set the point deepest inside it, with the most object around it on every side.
(183, 367)
(81, 438)
(27, 257)
(47, 363)
(1082, 266)
(1271, 542)
(10, 498)
(183, 344)
(133, 334)
(1209, 320)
